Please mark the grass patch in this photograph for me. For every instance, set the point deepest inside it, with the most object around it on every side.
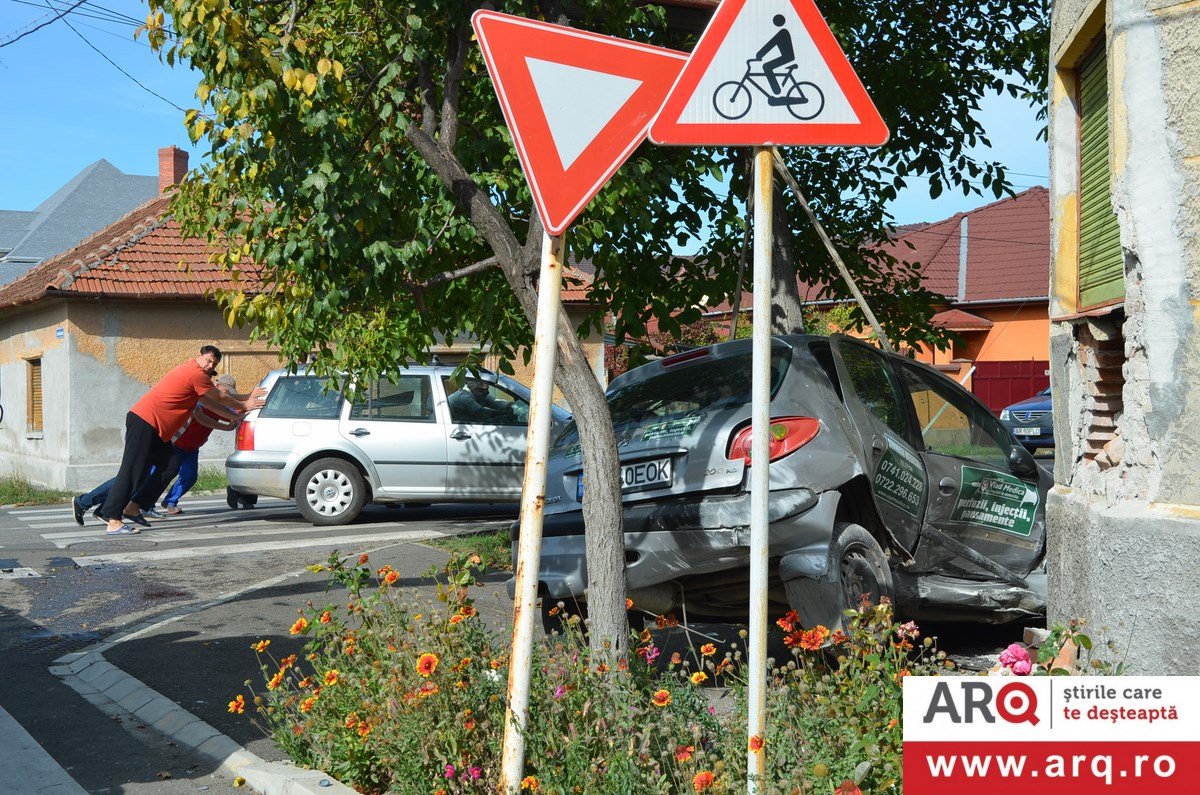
(211, 479)
(16, 490)
(492, 546)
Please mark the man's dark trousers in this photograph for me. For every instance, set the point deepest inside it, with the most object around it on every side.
(143, 449)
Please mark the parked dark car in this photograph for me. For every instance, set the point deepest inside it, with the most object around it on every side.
(1031, 420)
(887, 479)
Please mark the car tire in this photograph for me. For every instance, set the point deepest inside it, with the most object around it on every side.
(857, 565)
(330, 491)
(861, 567)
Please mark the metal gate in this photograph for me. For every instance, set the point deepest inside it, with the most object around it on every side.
(1000, 384)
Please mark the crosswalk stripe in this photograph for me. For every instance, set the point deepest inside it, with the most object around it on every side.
(66, 507)
(233, 549)
(262, 528)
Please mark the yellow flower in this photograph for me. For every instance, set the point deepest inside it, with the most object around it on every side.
(661, 698)
(261, 646)
(276, 681)
(530, 783)
(391, 577)
(699, 678)
(331, 676)
(300, 625)
(708, 650)
(307, 703)
(238, 705)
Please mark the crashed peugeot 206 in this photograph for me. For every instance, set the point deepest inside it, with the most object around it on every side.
(886, 479)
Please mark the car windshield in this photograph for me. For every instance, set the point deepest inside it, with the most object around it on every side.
(709, 385)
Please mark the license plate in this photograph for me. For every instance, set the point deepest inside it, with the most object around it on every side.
(640, 476)
(1027, 431)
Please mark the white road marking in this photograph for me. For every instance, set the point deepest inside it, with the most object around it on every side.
(234, 549)
(64, 540)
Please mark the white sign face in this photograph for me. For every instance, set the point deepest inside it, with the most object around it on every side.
(573, 125)
(768, 72)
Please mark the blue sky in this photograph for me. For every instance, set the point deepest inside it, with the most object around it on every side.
(65, 106)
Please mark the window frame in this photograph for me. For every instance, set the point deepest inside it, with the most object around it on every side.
(935, 379)
(35, 415)
(373, 388)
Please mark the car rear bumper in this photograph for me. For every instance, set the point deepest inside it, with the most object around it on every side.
(265, 473)
(690, 536)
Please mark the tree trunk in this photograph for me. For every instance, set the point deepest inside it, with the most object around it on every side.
(787, 308)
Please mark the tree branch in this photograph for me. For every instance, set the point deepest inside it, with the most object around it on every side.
(428, 116)
(459, 47)
(449, 276)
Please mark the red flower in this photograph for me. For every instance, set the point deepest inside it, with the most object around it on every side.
(684, 752)
(789, 621)
(427, 663)
(757, 743)
(704, 779)
(847, 787)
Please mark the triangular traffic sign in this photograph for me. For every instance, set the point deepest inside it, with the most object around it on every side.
(768, 72)
(577, 104)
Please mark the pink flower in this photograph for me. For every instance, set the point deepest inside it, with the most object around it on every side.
(450, 771)
(475, 772)
(1016, 659)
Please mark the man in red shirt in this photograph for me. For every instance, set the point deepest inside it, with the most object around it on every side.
(155, 419)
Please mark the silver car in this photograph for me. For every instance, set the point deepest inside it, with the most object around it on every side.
(886, 479)
(428, 436)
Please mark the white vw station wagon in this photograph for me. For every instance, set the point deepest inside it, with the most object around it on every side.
(431, 435)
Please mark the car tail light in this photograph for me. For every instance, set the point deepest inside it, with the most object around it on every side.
(245, 436)
(787, 434)
(686, 356)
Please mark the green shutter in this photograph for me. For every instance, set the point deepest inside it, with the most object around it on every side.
(1101, 264)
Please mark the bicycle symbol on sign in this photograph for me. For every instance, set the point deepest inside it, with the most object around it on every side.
(804, 100)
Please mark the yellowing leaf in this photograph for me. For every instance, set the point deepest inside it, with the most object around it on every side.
(310, 83)
(324, 66)
(338, 69)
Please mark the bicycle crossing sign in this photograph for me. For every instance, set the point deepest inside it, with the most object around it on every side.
(577, 104)
(768, 72)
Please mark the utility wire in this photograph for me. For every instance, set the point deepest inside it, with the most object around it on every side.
(13, 39)
(101, 53)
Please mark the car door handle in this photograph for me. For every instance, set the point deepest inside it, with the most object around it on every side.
(460, 435)
(877, 446)
(360, 432)
(946, 486)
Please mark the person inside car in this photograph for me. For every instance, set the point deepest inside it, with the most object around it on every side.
(473, 403)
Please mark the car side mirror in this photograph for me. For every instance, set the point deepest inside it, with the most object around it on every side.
(1020, 461)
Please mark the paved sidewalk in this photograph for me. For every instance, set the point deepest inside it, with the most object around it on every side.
(28, 769)
(177, 673)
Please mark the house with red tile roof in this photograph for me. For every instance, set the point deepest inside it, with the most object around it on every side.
(85, 333)
(991, 265)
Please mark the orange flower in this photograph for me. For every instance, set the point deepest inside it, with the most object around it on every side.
(306, 681)
(364, 729)
(676, 658)
(496, 665)
(847, 787)
(530, 783)
(276, 681)
(684, 752)
(261, 646)
(661, 698)
(307, 703)
(469, 724)
(363, 558)
(351, 720)
(723, 666)
(793, 638)
(300, 625)
(903, 672)
(814, 639)
(468, 611)
(628, 603)
(702, 780)
(331, 676)
(708, 650)
(838, 637)
(287, 662)
(457, 619)
(699, 678)
(298, 729)
(602, 669)
(427, 663)
(757, 743)
(391, 577)
(326, 617)
(238, 705)
(427, 689)
(788, 622)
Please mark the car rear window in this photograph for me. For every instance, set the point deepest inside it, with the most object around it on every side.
(706, 385)
(302, 397)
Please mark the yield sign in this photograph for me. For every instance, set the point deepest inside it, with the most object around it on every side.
(768, 72)
(577, 104)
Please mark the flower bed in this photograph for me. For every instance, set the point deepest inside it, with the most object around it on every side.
(400, 697)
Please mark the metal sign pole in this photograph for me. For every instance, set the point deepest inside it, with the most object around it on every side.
(533, 504)
(760, 412)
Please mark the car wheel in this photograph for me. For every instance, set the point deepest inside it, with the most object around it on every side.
(330, 491)
(862, 568)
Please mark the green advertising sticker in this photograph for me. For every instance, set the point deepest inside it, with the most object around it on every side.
(900, 480)
(669, 429)
(996, 500)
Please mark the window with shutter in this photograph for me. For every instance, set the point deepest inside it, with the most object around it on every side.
(1101, 263)
(34, 413)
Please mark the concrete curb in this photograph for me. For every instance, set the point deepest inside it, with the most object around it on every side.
(118, 694)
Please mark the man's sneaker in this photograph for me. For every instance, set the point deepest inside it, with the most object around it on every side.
(79, 509)
(123, 530)
(152, 513)
(139, 519)
(96, 513)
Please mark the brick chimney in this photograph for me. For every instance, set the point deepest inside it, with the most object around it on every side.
(172, 165)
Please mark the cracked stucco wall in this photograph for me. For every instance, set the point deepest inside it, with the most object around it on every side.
(1122, 542)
